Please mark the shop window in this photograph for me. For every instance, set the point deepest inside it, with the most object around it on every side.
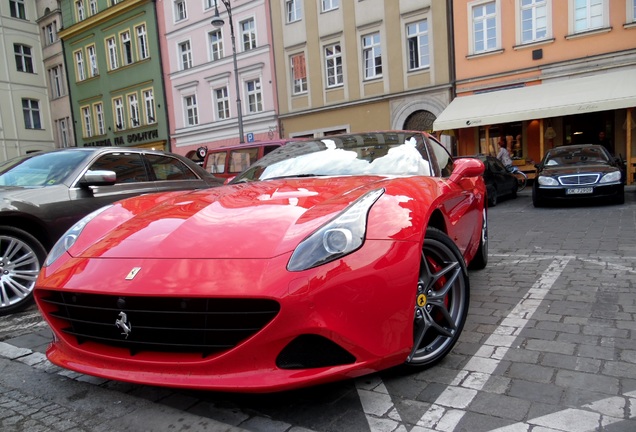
(511, 134)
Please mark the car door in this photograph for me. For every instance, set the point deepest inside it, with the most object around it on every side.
(504, 182)
(169, 174)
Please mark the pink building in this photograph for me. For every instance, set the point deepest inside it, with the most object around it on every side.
(199, 72)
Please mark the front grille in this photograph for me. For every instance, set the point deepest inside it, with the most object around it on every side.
(579, 179)
(159, 324)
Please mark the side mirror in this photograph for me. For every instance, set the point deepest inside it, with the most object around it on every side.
(98, 178)
(468, 167)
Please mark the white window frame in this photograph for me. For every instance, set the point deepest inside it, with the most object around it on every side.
(254, 95)
(333, 65)
(180, 10)
(372, 55)
(222, 103)
(79, 10)
(185, 54)
(631, 11)
(293, 10)
(31, 112)
(113, 54)
(216, 46)
(51, 33)
(248, 34)
(87, 122)
(596, 16)
(209, 4)
(538, 14)
(482, 24)
(57, 82)
(92, 6)
(120, 116)
(149, 106)
(80, 71)
(99, 118)
(190, 110)
(25, 56)
(298, 78)
(142, 42)
(126, 48)
(91, 53)
(17, 9)
(329, 5)
(62, 126)
(417, 35)
(133, 110)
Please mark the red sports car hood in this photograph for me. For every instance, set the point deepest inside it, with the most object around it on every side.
(250, 220)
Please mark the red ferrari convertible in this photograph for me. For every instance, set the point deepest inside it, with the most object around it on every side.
(325, 260)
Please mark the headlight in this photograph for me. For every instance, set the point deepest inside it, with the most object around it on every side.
(68, 239)
(547, 181)
(339, 237)
(611, 177)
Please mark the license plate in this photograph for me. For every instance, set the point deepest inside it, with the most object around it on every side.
(577, 191)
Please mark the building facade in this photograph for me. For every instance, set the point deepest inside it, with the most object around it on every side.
(50, 20)
(542, 73)
(345, 66)
(201, 77)
(114, 73)
(25, 118)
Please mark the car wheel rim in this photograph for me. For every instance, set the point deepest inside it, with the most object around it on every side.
(439, 304)
(19, 268)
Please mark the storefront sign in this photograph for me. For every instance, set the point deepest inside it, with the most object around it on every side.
(138, 137)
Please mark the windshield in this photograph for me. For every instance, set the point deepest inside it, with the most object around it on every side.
(385, 154)
(576, 156)
(45, 169)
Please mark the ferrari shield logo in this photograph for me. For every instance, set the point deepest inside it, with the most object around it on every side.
(133, 273)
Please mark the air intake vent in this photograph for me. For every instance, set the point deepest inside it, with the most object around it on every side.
(312, 351)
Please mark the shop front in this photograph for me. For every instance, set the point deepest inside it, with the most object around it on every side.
(531, 119)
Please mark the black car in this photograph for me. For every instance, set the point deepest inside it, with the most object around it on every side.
(43, 194)
(578, 172)
(499, 182)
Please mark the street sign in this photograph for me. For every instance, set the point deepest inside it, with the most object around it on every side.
(250, 137)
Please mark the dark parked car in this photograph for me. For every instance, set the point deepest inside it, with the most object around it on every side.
(578, 172)
(44, 194)
(499, 182)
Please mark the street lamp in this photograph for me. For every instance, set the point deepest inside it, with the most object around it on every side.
(218, 22)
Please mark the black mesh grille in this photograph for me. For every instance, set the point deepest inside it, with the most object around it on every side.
(159, 324)
(312, 351)
(579, 179)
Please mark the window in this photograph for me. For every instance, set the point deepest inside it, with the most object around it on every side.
(333, 65)
(99, 118)
(50, 32)
(87, 124)
(126, 48)
(191, 110)
(169, 168)
(120, 119)
(62, 127)
(112, 53)
(484, 27)
(133, 109)
(534, 20)
(180, 12)
(23, 58)
(254, 96)
(222, 103)
(186, 55)
(298, 73)
(149, 104)
(632, 8)
(588, 15)
(79, 66)
(57, 82)
(216, 44)
(93, 7)
(209, 4)
(79, 10)
(129, 167)
(328, 5)
(142, 42)
(31, 111)
(417, 45)
(294, 10)
(372, 56)
(92, 60)
(248, 33)
(17, 9)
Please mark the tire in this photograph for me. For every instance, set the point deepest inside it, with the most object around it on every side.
(480, 260)
(21, 258)
(492, 198)
(441, 300)
(536, 200)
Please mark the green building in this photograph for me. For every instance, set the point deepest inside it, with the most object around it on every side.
(112, 56)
